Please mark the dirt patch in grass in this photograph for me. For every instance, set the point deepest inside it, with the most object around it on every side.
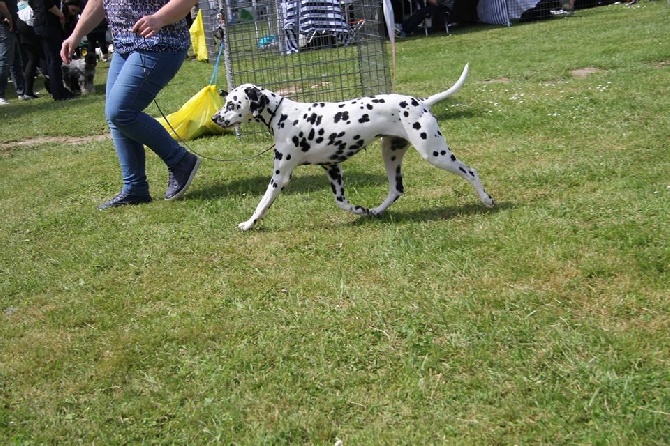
(586, 71)
(500, 80)
(52, 139)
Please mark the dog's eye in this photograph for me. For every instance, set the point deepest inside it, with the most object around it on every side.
(230, 106)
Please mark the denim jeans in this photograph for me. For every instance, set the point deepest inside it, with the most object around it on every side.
(10, 61)
(133, 81)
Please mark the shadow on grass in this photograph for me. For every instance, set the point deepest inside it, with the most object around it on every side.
(299, 184)
(432, 214)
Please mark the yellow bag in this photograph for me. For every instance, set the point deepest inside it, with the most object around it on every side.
(197, 32)
(194, 119)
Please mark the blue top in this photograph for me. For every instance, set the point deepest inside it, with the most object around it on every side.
(123, 14)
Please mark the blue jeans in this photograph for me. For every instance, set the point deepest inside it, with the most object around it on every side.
(133, 81)
(10, 61)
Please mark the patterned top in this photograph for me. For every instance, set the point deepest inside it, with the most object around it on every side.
(123, 14)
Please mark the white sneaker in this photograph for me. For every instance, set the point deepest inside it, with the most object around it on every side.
(3, 101)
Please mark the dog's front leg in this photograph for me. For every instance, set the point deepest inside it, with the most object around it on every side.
(336, 178)
(280, 178)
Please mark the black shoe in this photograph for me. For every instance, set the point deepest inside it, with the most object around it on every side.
(181, 176)
(123, 199)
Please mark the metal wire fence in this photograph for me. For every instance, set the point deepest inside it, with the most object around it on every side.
(307, 50)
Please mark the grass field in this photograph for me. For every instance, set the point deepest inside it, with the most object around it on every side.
(543, 321)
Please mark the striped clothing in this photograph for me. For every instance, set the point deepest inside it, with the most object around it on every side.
(123, 14)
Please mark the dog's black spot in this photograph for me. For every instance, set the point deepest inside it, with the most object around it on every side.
(402, 104)
(405, 114)
(295, 122)
(322, 131)
(370, 106)
(435, 154)
(398, 180)
(461, 169)
(417, 125)
(415, 103)
(304, 145)
(443, 152)
(311, 135)
(341, 105)
(398, 143)
(279, 155)
(296, 140)
(378, 101)
(365, 118)
(453, 157)
(341, 116)
(288, 156)
(423, 135)
(319, 140)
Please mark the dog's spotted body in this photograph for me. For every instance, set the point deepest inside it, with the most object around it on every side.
(328, 134)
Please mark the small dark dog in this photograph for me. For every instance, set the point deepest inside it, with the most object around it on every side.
(78, 75)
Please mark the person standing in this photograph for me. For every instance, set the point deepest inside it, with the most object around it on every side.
(150, 44)
(10, 53)
(31, 48)
(98, 37)
(48, 22)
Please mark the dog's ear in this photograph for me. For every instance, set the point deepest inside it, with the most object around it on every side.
(223, 93)
(257, 101)
(252, 93)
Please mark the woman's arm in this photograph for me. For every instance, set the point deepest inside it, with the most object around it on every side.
(172, 12)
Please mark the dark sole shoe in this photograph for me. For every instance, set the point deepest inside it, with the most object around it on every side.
(181, 175)
(123, 199)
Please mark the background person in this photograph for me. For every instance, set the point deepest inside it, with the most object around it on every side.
(31, 48)
(151, 40)
(48, 22)
(10, 53)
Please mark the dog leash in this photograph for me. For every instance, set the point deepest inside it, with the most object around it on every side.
(181, 140)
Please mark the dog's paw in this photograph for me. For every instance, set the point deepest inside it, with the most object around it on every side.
(246, 225)
(488, 200)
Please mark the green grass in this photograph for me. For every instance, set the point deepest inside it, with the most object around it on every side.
(542, 321)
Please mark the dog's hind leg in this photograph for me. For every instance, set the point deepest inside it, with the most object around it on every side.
(393, 151)
(336, 178)
(435, 150)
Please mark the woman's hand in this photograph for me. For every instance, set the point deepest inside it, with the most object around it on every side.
(148, 26)
(67, 49)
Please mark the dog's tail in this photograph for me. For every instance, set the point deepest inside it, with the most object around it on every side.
(434, 99)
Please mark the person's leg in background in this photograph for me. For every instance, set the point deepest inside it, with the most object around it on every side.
(6, 57)
(51, 40)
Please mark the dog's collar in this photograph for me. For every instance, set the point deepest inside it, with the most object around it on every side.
(273, 114)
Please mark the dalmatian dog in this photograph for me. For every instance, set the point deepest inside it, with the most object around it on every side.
(327, 134)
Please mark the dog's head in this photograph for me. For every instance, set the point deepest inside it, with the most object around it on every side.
(243, 104)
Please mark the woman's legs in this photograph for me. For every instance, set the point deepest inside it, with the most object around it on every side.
(133, 81)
